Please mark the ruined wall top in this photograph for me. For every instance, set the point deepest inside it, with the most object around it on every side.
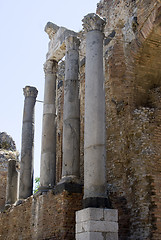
(6, 142)
(51, 29)
(57, 36)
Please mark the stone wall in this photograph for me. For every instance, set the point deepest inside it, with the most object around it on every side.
(46, 216)
(132, 83)
(7, 151)
(133, 123)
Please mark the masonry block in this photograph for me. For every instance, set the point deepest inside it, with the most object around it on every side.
(90, 214)
(96, 236)
(110, 215)
(96, 223)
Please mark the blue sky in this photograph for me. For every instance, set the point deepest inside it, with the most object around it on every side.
(23, 47)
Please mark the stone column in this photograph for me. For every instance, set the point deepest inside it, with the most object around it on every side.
(96, 220)
(48, 149)
(12, 182)
(27, 162)
(95, 194)
(71, 114)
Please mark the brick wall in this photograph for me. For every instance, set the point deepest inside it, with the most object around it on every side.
(132, 66)
(40, 217)
(132, 81)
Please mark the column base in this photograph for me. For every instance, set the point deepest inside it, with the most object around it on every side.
(96, 202)
(70, 187)
(97, 224)
(7, 206)
(43, 189)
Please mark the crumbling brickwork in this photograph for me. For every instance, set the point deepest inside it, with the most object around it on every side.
(132, 83)
(46, 216)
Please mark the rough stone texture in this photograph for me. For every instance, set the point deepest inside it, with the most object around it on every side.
(57, 46)
(6, 142)
(133, 123)
(46, 216)
(59, 110)
(133, 99)
(7, 151)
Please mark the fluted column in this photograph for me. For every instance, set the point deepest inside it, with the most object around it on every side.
(27, 161)
(94, 132)
(48, 149)
(71, 114)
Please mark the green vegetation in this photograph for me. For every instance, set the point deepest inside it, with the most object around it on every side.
(37, 184)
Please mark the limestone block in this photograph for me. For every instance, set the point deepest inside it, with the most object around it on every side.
(97, 223)
(110, 215)
(89, 214)
(96, 236)
(97, 214)
(97, 226)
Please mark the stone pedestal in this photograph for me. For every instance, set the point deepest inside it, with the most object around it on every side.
(97, 224)
(48, 149)
(27, 163)
(12, 182)
(71, 114)
(95, 194)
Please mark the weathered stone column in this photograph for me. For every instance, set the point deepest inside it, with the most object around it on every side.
(12, 182)
(71, 114)
(96, 220)
(95, 194)
(27, 162)
(48, 150)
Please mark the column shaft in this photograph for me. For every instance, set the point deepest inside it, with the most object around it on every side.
(94, 131)
(71, 114)
(12, 182)
(27, 161)
(48, 150)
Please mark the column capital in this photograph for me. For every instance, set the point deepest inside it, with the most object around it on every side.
(93, 22)
(72, 43)
(30, 91)
(50, 67)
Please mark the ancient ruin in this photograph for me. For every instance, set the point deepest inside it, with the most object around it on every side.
(100, 160)
(27, 164)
